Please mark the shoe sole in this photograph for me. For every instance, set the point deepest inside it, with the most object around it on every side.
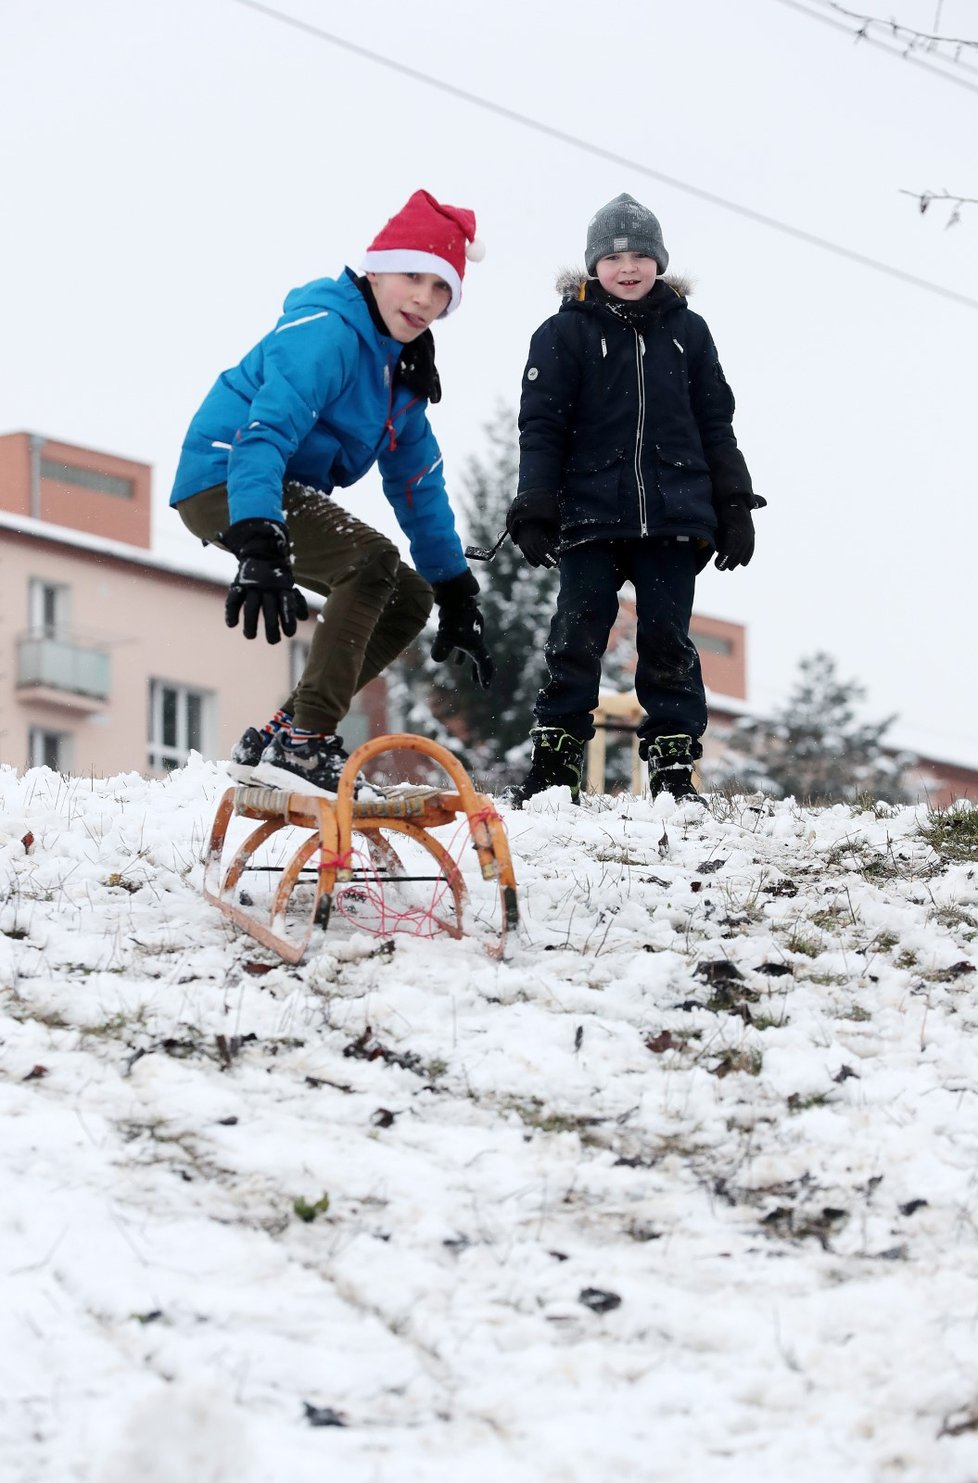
(271, 776)
(267, 775)
(241, 772)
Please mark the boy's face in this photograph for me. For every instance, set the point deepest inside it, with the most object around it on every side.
(408, 302)
(627, 275)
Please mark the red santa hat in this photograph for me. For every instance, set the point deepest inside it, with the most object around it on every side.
(427, 237)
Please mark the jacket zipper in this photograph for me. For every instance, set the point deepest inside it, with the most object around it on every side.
(640, 434)
(390, 432)
(389, 424)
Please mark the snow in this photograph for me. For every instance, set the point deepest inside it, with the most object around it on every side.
(726, 1075)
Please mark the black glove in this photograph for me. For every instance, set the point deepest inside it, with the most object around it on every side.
(460, 627)
(264, 583)
(735, 534)
(538, 540)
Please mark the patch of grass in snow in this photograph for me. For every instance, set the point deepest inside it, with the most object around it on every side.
(308, 1212)
(535, 1113)
(730, 805)
(796, 1103)
(859, 857)
(772, 1021)
(22, 1010)
(748, 1059)
(953, 916)
(118, 881)
(952, 832)
(116, 1024)
(865, 803)
(854, 1012)
(800, 941)
(741, 908)
(831, 918)
(800, 1225)
(949, 975)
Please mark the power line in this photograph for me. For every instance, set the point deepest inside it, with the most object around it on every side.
(576, 142)
(888, 45)
(609, 154)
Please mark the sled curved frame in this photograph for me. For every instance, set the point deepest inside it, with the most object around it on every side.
(332, 824)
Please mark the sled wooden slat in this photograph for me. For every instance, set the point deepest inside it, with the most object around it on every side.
(328, 845)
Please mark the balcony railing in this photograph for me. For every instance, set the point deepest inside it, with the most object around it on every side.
(64, 665)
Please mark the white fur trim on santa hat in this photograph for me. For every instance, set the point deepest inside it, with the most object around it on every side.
(408, 260)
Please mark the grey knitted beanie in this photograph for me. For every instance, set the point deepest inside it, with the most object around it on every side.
(624, 225)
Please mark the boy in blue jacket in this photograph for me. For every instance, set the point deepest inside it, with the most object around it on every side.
(629, 470)
(343, 381)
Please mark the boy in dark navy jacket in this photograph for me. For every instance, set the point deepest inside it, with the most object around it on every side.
(629, 470)
(342, 382)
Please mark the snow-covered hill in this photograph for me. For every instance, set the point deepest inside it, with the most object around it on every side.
(686, 1188)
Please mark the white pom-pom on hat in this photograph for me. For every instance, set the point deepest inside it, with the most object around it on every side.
(475, 250)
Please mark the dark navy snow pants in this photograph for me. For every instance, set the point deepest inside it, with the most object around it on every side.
(668, 681)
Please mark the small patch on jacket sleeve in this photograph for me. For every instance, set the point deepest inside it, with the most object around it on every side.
(532, 373)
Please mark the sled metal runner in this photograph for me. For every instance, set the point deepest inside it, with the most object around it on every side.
(326, 857)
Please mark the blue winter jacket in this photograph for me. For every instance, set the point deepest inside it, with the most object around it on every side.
(315, 402)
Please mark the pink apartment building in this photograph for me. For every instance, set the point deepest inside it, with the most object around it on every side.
(113, 659)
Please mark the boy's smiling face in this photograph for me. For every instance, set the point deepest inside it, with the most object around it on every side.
(627, 275)
(408, 302)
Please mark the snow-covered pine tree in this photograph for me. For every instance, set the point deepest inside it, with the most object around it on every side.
(813, 748)
(517, 602)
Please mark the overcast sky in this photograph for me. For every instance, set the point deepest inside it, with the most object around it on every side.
(171, 170)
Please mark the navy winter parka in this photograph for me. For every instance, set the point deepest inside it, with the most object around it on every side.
(317, 401)
(626, 421)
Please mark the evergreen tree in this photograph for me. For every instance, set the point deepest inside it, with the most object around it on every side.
(814, 749)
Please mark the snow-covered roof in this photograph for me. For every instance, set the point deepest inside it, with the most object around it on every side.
(64, 535)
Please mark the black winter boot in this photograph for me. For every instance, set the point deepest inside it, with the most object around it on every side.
(671, 760)
(557, 761)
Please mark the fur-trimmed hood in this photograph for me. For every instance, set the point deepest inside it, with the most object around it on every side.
(570, 283)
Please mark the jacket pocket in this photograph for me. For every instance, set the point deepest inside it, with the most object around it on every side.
(687, 495)
(693, 463)
(590, 493)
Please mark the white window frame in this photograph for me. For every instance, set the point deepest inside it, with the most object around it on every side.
(38, 738)
(164, 756)
(48, 608)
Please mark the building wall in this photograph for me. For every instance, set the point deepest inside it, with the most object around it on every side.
(15, 473)
(723, 654)
(940, 784)
(74, 487)
(722, 648)
(154, 625)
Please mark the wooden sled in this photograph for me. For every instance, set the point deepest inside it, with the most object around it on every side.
(328, 858)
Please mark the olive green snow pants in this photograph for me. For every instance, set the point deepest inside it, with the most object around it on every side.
(375, 606)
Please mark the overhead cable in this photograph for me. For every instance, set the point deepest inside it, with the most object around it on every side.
(747, 212)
